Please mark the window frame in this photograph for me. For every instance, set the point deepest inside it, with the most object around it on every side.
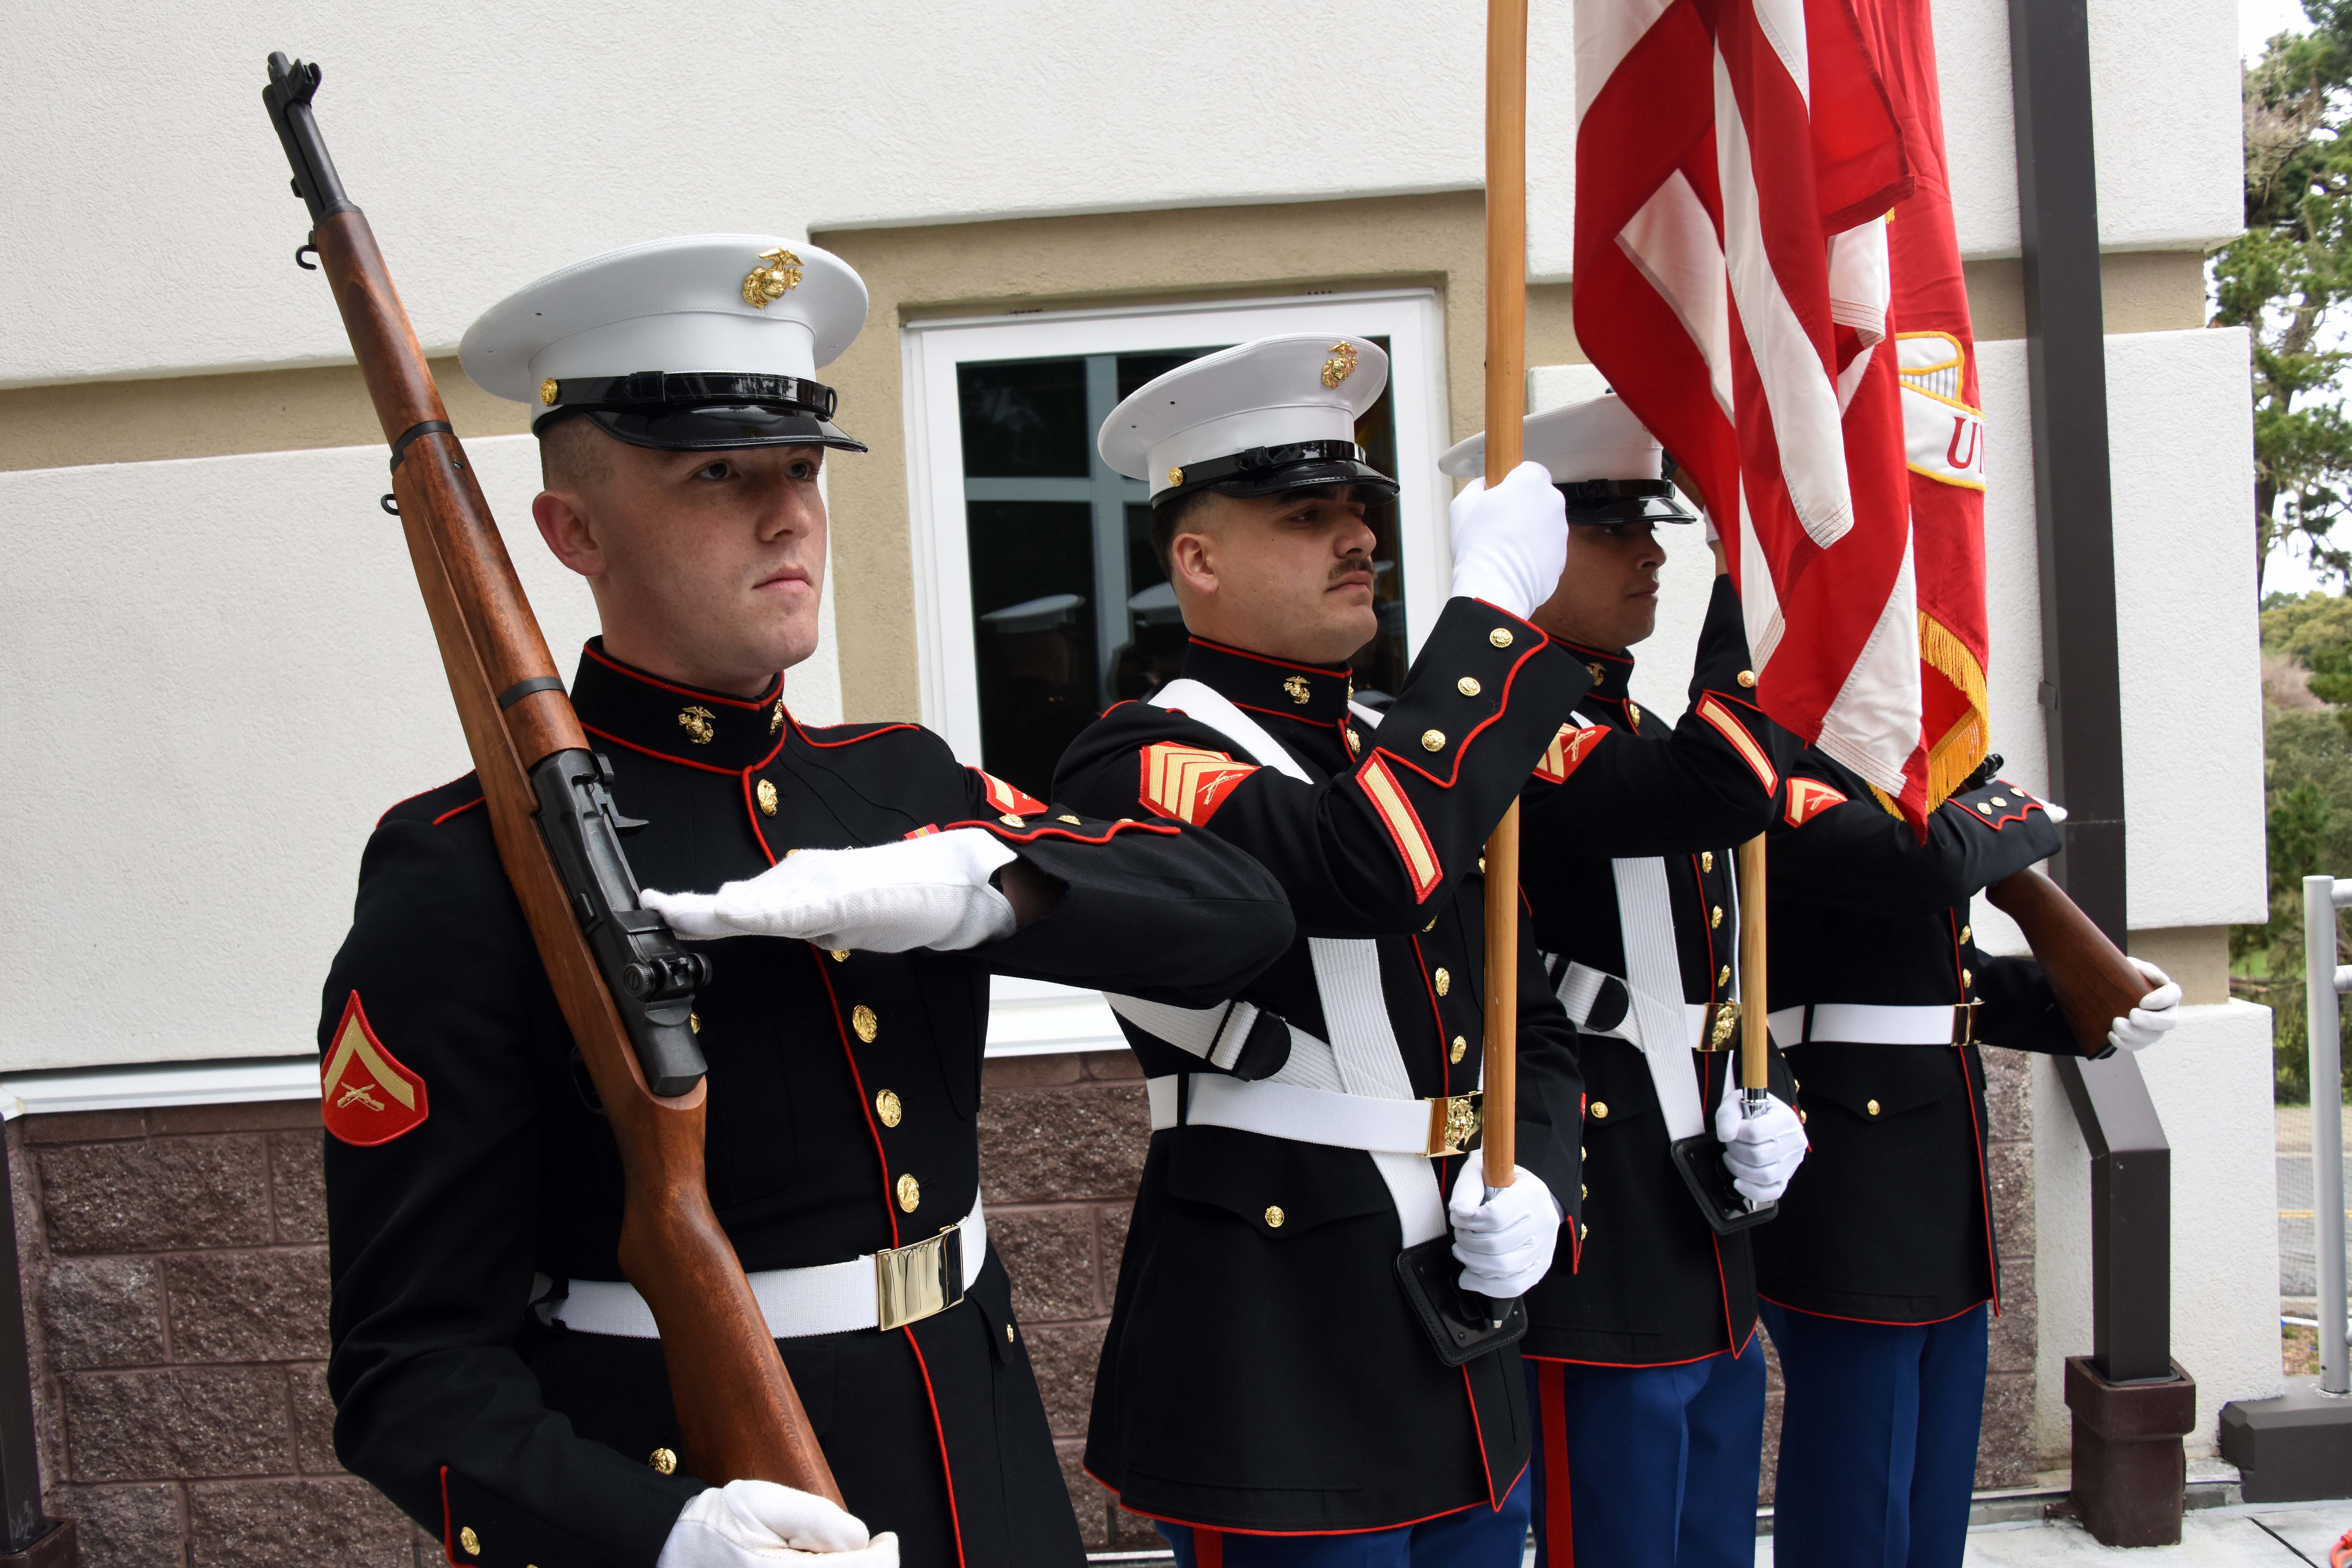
(1411, 319)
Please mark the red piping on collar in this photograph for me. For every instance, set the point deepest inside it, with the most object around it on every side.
(1335, 671)
(749, 704)
(663, 756)
(1277, 713)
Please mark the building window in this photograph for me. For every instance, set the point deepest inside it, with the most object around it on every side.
(1043, 602)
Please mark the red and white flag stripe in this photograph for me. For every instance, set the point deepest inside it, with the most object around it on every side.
(1735, 162)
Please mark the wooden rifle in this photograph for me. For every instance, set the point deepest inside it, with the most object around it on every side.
(2094, 983)
(625, 985)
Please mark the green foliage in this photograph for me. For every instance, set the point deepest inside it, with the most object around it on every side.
(2307, 785)
(2288, 274)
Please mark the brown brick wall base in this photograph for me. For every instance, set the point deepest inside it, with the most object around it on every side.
(176, 1270)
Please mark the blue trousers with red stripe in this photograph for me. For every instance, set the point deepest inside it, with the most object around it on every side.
(1477, 1537)
(1878, 1439)
(1649, 1467)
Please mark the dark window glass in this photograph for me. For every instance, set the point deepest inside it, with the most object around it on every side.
(1071, 610)
(1032, 633)
(1024, 416)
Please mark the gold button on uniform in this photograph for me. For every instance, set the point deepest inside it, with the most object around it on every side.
(1706, 859)
(886, 1107)
(1967, 977)
(1802, 1119)
(663, 1461)
(1468, 686)
(1008, 1333)
(1500, 636)
(1714, 917)
(1355, 743)
(1482, 865)
(840, 955)
(767, 793)
(1461, 1048)
(1747, 677)
(469, 1540)
(1433, 740)
(1012, 821)
(1274, 1216)
(910, 1193)
(1723, 975)
(1066, 817)
(1444, 981)
(862, 1019)
(1634, 714)
(1600, 1110)
(1583, 1231)
(693, 1022)
(1965, 932)
(1871, 1107)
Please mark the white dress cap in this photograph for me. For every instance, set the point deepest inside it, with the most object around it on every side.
(1270, 392)
(1597, 438)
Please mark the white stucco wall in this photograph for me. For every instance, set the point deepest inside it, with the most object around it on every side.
(219, 675)
(2210, 1080)
(149, 229)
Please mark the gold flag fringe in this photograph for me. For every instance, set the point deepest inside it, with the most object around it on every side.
(1956, 754)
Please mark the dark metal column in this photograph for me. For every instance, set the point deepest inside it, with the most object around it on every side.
(2058, 216)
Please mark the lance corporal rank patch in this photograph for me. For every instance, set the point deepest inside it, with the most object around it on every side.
(1009, 797)
(366, 1094)
(1567, 751)
(1807, 798)
(1189, 783)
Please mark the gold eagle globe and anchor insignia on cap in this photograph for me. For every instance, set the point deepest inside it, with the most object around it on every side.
(778, 277)
(1340, 365)
(698, 722)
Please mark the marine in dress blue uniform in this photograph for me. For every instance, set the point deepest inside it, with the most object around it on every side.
(1881, 1270)
(1647, 1376)
(1266, 1391)
(493, 1374)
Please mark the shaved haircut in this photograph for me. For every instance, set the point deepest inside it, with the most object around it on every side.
(573, 454)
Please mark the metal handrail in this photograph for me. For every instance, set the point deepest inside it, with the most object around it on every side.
(2325, 981)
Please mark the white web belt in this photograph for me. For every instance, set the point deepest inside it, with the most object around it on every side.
(880, 1291)
(1870, 1024)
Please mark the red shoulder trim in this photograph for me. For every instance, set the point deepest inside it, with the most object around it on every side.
(457, 810)
(366, 1095)
(802, 730)
(420, 795)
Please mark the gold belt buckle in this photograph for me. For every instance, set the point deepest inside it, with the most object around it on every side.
(1453, 1122)
(911, 1283)
(1964, 1023)
(1726, 1024)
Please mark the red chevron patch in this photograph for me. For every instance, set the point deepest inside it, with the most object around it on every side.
(1807, 798)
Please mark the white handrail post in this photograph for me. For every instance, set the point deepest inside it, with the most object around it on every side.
(2322, 988)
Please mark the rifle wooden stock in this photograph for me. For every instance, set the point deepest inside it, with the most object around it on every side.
(736, 1406)
(2094, 983)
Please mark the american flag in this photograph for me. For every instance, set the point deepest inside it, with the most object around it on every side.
(1736, 161)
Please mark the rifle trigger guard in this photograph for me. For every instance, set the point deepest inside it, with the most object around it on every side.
(301, 250)
(390, 506)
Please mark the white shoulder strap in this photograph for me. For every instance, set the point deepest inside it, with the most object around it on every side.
(1347, 978)
(1654, 974)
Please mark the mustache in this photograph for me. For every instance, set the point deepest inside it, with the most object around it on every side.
(1349, 567)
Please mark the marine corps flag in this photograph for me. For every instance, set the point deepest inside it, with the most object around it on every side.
(1760, 199)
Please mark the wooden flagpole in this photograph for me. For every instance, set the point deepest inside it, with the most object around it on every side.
(1507, 374)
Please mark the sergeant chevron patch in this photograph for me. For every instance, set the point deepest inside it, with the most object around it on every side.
(1005, 797)
(366, 1095)
(1568, 749)
(1807, 798)
(1403, 823)
(1728, 726)
(1189, 783)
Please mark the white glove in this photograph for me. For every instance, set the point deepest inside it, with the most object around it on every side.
(1503, 1243)
(1760, 1152)
(2153, 1019)
(1510, 543)
(745, 1523)
(930, 891)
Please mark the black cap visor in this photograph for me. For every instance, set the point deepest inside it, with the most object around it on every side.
(1613, 503)
(1270, 470)
(675, 429)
